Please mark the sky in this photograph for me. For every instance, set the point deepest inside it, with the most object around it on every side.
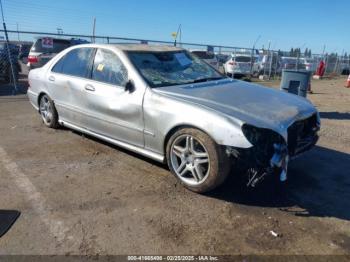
(285, 23)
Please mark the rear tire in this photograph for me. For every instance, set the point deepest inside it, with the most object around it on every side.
(196, 160)
(48, 112)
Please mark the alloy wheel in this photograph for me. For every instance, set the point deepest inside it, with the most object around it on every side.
(46, 110)
(190, 160)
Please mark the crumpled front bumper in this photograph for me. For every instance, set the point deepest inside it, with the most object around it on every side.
(273, 162)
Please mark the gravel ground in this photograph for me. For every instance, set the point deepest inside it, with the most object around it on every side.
(78, 195)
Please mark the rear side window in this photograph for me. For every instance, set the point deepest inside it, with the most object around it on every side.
(108, 68)
(58, 46)
(76, 63)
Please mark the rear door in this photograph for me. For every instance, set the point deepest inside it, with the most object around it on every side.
(111, 110)
(67, 80)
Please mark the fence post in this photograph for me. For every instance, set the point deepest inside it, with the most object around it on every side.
(9, 51)
(326, 64)
(335, 69)
(270, 67)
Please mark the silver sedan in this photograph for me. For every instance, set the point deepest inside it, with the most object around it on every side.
(168, 105)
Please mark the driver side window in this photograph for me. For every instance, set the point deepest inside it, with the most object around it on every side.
(108, 68)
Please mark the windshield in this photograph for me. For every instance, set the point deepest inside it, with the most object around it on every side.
(203, 54)
(245, 59)
(172, 68)
(58, 46)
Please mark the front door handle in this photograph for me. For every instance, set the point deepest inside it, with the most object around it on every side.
(52, 78)
(89, 88)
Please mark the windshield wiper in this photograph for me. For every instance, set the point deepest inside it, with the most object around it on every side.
(206, 79)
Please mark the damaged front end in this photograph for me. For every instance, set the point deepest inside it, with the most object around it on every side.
(270, 153)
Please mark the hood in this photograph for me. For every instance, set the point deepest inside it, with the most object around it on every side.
(245, 102)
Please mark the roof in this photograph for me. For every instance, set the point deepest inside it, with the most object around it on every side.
(134, 47)
(238, 54)
(144, 47)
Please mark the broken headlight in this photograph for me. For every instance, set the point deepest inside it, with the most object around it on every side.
(264, 141)
(260, 136)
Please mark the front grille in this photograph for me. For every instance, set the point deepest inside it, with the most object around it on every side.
(302, 135)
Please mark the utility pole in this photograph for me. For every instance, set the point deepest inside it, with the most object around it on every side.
(298, 57)
(59, 31)
(93, 30)
(17, 32)
(267, 58)
(252, 56)
(175, 35)
(8, 49)
(270, 67)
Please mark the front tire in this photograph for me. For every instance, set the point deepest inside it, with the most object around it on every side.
(48, 112)
(196, 160)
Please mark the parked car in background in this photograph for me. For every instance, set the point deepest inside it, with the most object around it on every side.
(24, 52)
(264, 63)
(345, 68)
(208, 57)
(165, 103)
(222, 58)
(5, 65)
(238, 65)
(45, 48)
(292, 63)
(310, 64)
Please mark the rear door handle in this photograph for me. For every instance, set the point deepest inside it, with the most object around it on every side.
(89, 88)
(52, 78)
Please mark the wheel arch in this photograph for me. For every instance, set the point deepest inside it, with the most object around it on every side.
(40, 95)
(174, 129)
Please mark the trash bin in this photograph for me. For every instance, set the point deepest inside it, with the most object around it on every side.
(295, 82)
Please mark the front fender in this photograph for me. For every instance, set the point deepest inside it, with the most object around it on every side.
(163, 113)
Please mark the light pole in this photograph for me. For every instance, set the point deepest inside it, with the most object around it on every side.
(175, 35)
(59, 31)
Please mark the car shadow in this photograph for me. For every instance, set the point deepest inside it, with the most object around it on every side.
(121, 149)
(335, 115)
(7, 220)
(318, 185)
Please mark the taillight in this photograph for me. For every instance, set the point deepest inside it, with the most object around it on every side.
(32, 59)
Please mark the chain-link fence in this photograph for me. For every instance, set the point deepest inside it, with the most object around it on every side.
(27, 50)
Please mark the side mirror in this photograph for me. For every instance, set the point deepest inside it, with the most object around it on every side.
(130, 86)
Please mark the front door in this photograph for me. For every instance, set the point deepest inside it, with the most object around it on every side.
(111, 110)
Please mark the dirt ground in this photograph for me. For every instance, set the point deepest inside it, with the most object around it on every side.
(78, 195)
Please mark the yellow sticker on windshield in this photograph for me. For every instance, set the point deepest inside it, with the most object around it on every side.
(100, 67)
